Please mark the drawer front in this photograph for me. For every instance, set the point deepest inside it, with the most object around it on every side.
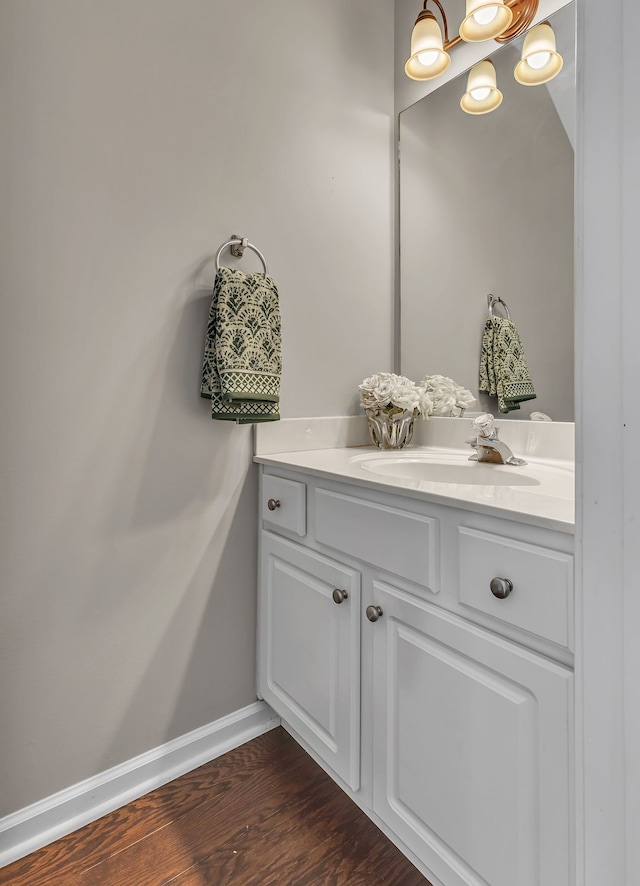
(541, 601)
(401, 543)
(283, 504)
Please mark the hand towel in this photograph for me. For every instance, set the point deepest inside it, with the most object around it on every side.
(503, 367)
(242, 354)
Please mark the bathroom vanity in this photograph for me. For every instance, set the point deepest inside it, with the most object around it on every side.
(416, 637)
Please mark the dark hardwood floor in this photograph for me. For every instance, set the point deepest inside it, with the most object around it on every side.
(262, 814)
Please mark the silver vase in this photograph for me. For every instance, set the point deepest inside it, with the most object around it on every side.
(390, 431)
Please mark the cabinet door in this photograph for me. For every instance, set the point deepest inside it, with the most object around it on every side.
(309, 650)
(471, 748)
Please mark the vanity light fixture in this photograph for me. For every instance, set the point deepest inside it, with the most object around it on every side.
(482, 95)
(428, 57)
(485, 20)
(540, 61)
(500, 20)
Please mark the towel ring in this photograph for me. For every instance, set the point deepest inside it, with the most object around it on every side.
(243, 243)
(496, 300)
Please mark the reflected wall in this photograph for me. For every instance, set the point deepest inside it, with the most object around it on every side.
(486, 206)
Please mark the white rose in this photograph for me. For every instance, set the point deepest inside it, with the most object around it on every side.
(464, 398)
(406, 397)
(443, 403)
(374, 379)
(374, 391)
(425, 404)
(446, 394)
(385, 389)
(438, 383)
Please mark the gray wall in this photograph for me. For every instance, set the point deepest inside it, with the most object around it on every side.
(487, 206)
(137, 136)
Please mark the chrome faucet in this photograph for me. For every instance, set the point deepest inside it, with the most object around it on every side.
(487, 445)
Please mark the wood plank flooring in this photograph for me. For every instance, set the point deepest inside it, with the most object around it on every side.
(262, 814)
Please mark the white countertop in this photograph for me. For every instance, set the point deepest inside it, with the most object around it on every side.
(542, 493)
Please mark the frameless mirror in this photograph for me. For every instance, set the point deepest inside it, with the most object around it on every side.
(487, 206)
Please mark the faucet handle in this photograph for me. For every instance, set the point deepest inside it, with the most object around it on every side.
(484, 425)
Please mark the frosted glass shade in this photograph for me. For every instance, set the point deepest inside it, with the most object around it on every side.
(428, 58)
(540, 62)
(482, 95)
(485, 19)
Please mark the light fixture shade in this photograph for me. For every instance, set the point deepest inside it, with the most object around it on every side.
(426, 46)
(540, 62)
(482, 82)
(485, 19)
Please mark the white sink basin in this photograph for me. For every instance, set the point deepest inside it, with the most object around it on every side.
(439, 467)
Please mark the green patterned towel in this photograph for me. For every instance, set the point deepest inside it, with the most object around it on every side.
(242, 353)
(503, 368)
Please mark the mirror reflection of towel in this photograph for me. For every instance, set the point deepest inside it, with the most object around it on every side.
(242, 354)
(503, 367)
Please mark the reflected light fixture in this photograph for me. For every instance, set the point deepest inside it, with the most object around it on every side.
(485, 20)
(482, 95)
(540, 61)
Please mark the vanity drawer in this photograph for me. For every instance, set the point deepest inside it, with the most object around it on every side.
(283, 504)
(541, 600)
(400, 542)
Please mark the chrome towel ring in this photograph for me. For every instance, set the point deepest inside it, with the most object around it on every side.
(493, 300)
(240, 244)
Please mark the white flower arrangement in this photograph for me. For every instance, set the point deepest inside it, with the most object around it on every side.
(392, 402)
(446, 394)
(394, 394)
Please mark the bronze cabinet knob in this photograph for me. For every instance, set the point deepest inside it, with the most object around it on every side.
(501, 587)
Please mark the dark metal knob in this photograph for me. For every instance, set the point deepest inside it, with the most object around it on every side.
(501, 587)
(339, 596)
(273, 503)
(373, 613)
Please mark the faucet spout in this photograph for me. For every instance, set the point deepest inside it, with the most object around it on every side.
(489, 448)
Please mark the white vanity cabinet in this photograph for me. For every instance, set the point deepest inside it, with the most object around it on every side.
(444, 710)
(471, 747)
(309, 648)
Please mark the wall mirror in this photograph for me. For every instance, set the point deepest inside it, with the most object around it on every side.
(487, 206)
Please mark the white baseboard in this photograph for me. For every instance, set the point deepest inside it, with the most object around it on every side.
(37, 825)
